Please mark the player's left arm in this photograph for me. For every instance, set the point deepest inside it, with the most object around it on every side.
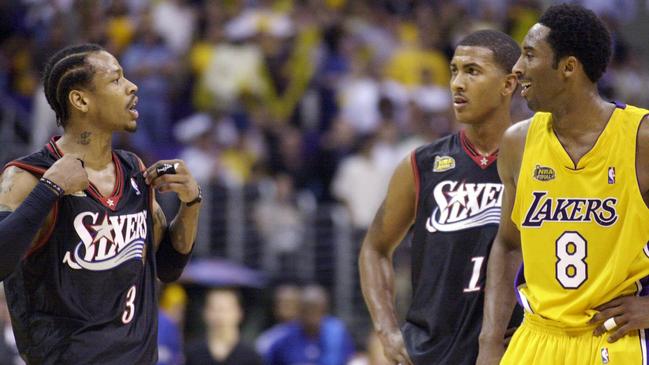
(629, 313)
(175, 241)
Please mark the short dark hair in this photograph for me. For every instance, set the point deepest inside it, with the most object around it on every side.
(65, 70)
(577, 31)
(505, 50)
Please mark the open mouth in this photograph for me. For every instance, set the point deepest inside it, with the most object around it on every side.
(525, 87)
(132, 110)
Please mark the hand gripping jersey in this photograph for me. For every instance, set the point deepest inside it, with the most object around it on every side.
(584, 228)
(85, 292)
(458, 212)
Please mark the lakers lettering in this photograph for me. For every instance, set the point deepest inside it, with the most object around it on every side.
(548, 209)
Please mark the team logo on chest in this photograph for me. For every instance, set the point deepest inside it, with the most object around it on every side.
(549, 209)
(463, 205)
(108, 241)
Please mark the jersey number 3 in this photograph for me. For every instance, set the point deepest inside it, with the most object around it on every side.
(572, 269)
(129, 311)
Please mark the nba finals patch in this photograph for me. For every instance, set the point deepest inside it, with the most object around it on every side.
(443, 163)
(605, 358)
(611, 175)
(542, 173)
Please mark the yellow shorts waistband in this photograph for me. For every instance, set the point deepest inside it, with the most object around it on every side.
(538, 323)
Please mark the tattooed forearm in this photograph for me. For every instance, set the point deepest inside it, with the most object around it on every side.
(183, 229)
(84, 138)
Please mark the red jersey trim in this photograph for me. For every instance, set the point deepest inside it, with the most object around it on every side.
(415, 170)
(36, 170)
(482, 161)
(109, 202)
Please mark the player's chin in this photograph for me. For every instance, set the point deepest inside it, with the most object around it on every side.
(131, 126)
(464, 116)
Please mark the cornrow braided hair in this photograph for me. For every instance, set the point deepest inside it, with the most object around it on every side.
(65, 70)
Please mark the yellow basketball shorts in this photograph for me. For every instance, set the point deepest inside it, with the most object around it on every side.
(537, 343)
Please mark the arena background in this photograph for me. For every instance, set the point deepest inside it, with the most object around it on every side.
(291, 114)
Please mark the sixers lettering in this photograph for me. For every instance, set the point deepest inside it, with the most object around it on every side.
(462, 205)
(116, 240)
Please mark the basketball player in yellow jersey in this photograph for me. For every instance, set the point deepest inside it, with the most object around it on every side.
(576, 179)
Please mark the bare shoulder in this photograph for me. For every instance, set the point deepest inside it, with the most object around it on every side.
(516, 134)
(15, 185)
(643, 133)
(512, 146)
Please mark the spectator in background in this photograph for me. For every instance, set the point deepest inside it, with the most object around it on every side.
(151, 65)
(200, 151)
(222, 346)
(280, 224)
(286, 309)
(175, 21)
(359, 183)
(316, 338)
(171, 317)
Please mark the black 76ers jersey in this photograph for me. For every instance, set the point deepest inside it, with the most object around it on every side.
(85, 292)
(459, 196)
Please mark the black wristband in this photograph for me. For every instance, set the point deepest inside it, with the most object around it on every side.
(169, 262)
(198, 199)
(54, 186)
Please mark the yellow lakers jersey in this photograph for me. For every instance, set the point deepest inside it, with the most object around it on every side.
(584, 228)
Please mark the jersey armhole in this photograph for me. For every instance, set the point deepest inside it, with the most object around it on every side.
(515, 215)
(415, 171)
(44, 235)
(635, 164)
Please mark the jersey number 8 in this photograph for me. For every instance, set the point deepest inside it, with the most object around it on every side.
(572, 270)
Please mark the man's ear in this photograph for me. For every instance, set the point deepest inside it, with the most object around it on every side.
(78, 100)
(569, 65)
(510, 84)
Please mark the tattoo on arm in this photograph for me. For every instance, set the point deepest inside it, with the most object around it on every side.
(84, 138)
(7, 183)
(5, 208)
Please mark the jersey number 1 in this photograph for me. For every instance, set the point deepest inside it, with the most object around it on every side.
(473, 283)
(572, 250)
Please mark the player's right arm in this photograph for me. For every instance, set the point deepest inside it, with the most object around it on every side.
(390, 225)
(26, 203)
(505, 256)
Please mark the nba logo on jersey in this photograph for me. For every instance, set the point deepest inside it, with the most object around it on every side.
(605, 355)
(611, 175)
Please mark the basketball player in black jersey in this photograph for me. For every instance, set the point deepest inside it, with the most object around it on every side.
(450, 193)
(81, 234)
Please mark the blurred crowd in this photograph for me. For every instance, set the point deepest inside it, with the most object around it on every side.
(322, 96)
